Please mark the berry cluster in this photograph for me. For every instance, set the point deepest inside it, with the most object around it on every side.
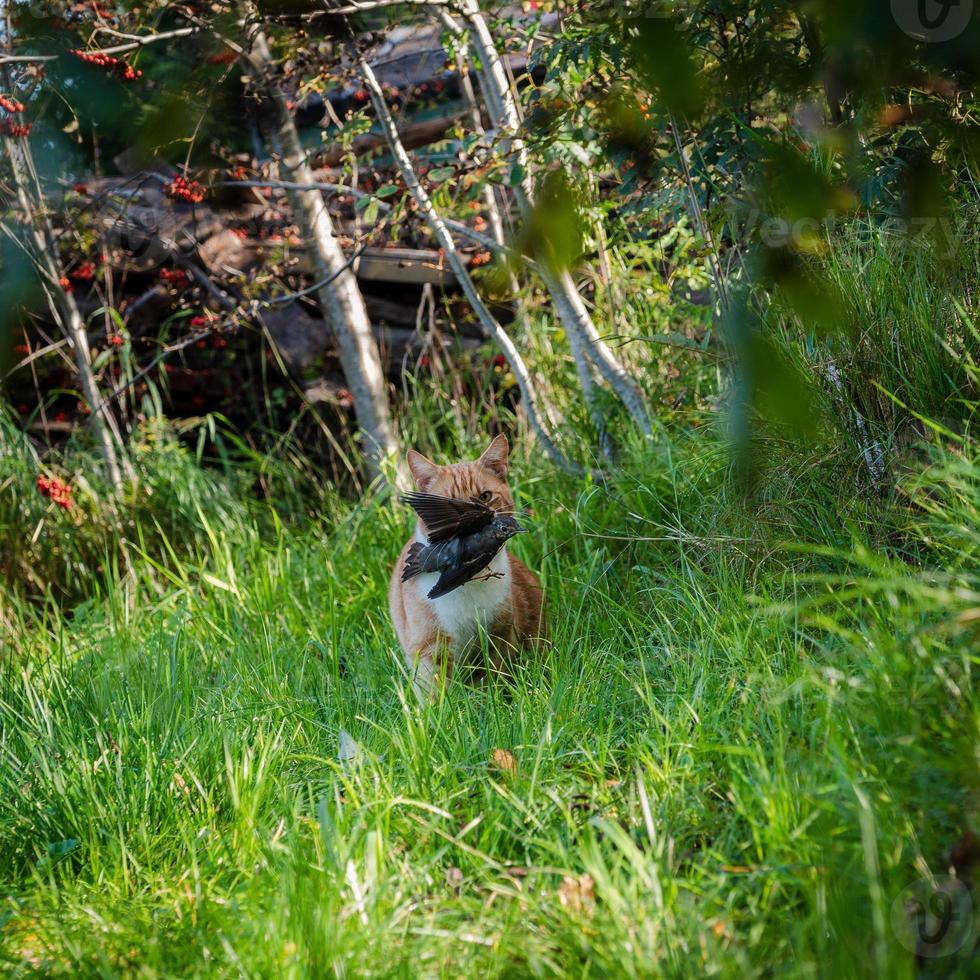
(11, 105)
(117, 340)
(55, 489)
(481, 258)
(121, 69)
(65, 284)
(85, 272)
(9, 128)
(182, 189)
(174, 277)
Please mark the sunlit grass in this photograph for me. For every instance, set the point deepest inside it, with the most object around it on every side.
(739, 748)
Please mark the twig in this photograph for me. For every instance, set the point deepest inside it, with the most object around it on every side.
(369, 5)
(699, 220)
(135, 42)
(457, 226)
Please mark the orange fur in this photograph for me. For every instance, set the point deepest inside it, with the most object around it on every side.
(435, 634)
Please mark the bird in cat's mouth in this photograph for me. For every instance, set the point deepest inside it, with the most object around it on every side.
(464, 537)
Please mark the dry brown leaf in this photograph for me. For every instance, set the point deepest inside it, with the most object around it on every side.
(968, 617)
(504, 761)
(577, 894)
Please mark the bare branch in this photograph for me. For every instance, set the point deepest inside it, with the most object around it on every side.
(136, 41)
(367, 5)
(457, 226)
(568, 301)
(441, 232)
(133, 43)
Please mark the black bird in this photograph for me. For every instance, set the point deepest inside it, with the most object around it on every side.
(464, 537)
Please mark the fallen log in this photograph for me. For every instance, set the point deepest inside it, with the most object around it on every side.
(413, 136)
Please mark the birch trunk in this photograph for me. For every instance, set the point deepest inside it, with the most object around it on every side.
(339, 295)
(568, 301)
(64, 308)
(445, 239)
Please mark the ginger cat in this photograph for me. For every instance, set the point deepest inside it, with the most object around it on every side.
(506, 598)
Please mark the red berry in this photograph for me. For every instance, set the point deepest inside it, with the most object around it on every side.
(121, 69)
(174, 277)
(181, 189)
(17, 130)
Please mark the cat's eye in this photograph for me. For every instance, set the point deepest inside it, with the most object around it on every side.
(485, 497)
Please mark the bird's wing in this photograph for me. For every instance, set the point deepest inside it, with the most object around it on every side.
(453, 578)
(448, 517)
(431, 557)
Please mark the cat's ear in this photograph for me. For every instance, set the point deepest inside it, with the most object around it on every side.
(494, 457)
(424, 470)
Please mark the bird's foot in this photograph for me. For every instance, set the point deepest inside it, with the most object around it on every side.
(486, 576)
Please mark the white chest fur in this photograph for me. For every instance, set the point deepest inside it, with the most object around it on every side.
(460, 612)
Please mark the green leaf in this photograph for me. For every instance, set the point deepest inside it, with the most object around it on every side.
(371, 211)
(386, 190)
(554, 230)
(516, 177)
(440, 174)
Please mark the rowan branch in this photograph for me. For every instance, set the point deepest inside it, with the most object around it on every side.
(133, 43)
(136, 41)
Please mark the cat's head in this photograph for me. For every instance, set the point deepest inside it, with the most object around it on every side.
(484, 478)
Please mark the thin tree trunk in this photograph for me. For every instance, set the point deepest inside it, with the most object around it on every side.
(568, 302)
(445, 239)
(340, 298)
(698, 215)
(64, 308)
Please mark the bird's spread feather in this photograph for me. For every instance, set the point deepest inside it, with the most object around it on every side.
(449, 517)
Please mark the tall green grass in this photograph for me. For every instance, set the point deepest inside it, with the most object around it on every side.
(754, 728)
(748, 743)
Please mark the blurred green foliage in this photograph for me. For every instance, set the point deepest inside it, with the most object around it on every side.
(783, 127)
